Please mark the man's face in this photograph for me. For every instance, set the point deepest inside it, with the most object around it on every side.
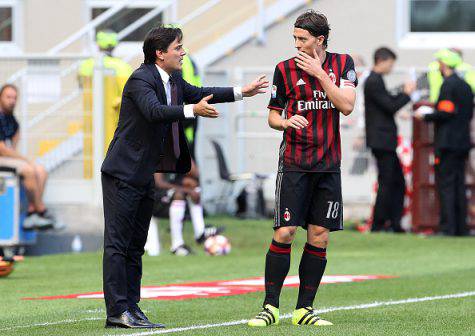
(387, 65)
(173, 57)
(443, 68)
(8, 100)
(306, 42)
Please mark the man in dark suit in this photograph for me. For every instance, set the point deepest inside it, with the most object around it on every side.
(452, 117)
(149, 138)
(381, 137)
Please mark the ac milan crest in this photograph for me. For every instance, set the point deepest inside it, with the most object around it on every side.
(332, 77)
(287, 215)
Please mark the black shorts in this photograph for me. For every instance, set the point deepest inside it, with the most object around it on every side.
(303, 198)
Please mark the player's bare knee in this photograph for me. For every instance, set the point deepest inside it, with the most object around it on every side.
(285, 234)
(318, 236)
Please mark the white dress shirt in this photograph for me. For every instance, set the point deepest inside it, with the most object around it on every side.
(188, 109)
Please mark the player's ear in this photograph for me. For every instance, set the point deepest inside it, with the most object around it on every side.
(320, 40)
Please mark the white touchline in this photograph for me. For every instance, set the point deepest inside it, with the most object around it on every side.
(45, 324)
(325, 310)
(231, 323)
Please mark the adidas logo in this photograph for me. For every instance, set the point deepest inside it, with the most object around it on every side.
(301, 82)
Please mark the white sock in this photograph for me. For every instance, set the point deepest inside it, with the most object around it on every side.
(177, 213)
(152, 246)
(196, 213)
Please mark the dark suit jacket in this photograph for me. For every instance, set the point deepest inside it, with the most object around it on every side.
(143, 140)
(452, 126)
(380, 108)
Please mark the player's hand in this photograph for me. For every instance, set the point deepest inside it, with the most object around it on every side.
(309, 64)
(296, 121)
(257, 86)
(204, 109)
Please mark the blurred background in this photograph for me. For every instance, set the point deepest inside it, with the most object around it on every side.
(67, 118)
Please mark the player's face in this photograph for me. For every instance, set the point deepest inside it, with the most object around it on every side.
(8, 100)
(173, 57)
(306, 42)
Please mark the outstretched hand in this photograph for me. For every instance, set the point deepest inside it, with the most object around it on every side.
(204, 109)
(257, 86)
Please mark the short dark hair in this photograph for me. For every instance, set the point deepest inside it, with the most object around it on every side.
(315, 23)
(383, 54)
(159, 38)
(8, 86)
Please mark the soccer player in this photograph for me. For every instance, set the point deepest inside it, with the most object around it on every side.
(312, 89)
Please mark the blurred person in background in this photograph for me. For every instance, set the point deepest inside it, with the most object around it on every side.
(107, 40)
(381, 137)
(451, 116)
(435, 78)
(34, 175)
(117, 71)
(176, 190)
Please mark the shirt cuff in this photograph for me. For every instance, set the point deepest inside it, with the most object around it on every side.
(188, 110)
(237, 93)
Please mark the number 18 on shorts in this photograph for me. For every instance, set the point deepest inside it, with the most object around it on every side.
(308, 198)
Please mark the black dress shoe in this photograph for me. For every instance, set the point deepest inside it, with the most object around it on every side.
(139, 315)
(124, 320)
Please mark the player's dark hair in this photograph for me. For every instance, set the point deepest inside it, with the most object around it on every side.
(315, 23)
(159, 38)
(383, 54)
(8, 86)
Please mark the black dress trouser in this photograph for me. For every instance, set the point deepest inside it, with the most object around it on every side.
(450, 180)
(127, 213)
(389, 203)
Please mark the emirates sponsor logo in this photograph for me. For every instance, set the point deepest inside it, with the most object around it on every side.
(320, 102)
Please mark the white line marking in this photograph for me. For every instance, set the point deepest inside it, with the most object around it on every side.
(325, 310)
(231, 323)
(45, 324)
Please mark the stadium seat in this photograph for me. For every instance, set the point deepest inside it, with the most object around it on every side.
(257, 206)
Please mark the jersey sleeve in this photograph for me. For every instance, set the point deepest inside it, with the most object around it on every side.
(278, 98)
(348, 76)
(446, 100)
(445, 107)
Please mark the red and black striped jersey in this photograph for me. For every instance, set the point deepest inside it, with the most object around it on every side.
(315, 148)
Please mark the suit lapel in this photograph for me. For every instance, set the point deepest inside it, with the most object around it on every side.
(160, 88)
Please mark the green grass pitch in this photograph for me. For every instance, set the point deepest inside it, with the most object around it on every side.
(424, 267)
